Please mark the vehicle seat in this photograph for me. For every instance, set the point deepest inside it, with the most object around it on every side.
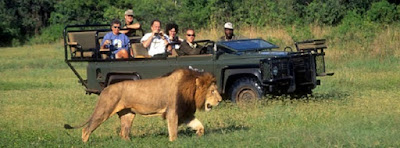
(311, 45)
(139, 51)
(104, 53)
(82, 44)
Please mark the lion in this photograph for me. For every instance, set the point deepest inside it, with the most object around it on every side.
(175, 96)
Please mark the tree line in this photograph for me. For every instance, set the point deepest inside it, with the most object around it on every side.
(42, 21)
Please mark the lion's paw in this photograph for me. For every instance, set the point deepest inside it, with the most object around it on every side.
(200, 132)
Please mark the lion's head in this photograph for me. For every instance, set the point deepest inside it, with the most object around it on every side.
(207, 95)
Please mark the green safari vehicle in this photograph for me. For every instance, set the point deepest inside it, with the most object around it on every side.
(245, 69)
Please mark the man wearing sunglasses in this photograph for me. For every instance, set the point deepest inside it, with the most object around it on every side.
(117, 42)
(188, 46)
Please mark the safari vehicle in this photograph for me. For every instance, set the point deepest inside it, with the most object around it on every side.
(245, 69)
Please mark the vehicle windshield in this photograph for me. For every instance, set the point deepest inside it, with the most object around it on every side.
(248, 45)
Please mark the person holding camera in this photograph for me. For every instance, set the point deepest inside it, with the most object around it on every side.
(117, 42)
(156, 41)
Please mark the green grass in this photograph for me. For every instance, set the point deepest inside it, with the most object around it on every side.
(357, 107)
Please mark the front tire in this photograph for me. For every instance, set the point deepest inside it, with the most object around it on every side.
(245, 90)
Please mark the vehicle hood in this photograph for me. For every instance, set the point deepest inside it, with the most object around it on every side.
(264, 54)
(255, 55)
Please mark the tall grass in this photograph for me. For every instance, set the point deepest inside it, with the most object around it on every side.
(357, 107)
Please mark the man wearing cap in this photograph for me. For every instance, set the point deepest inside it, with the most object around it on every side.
(129, 24)
(228, 33)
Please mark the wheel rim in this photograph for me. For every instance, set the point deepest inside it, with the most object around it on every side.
(246, 94)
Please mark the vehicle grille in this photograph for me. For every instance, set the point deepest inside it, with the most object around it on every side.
(274, 69)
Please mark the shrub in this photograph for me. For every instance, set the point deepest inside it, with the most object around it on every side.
(329, 12)
(48, 35)
(382, 12)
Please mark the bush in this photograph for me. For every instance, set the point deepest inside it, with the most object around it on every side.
(356, 30)
(382, 12)
(48, 35)
(328, 12)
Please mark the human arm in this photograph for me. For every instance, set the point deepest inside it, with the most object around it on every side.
(129, 28)
(133, 26)
(106, 41)
(146, 39)
(185, 49)
(166, 38)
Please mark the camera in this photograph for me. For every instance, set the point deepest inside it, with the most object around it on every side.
(158, 34)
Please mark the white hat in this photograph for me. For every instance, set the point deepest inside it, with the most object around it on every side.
(129, 12)
(228, 25)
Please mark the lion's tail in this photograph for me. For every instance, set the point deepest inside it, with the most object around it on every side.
(67, 126)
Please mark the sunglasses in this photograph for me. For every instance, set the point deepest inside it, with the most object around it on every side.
(190, 34)
(116, 27)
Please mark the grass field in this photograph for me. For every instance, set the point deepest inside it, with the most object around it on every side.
(357, 107)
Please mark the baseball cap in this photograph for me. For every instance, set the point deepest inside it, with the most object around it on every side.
(129, 12)
(228, 25)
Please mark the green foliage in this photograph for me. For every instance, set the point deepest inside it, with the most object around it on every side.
(382, 12)
(7, 30)
(146, 11)
(354, 28)
(299, 33)
(22, 19)
(194, 14)
(49, 34)
(70, 12)
(325, 12)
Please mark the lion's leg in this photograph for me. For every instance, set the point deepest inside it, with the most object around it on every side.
(195, 124)
(172, 119)
(103, 111)
(126, 116)
(92, 125)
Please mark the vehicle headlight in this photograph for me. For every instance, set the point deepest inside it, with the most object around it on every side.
(275, 70)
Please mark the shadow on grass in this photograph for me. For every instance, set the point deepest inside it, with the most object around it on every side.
(187, 132)
(315, 97)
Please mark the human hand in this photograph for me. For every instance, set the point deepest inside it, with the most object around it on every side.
(107, 42)
(155, 32)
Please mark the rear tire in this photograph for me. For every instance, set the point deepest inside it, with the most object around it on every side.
(245, 90)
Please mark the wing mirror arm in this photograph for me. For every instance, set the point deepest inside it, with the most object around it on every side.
(218, 53)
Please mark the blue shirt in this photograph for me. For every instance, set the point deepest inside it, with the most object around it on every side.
(118, 42)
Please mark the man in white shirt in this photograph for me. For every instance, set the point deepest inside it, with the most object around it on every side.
(156, 41)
